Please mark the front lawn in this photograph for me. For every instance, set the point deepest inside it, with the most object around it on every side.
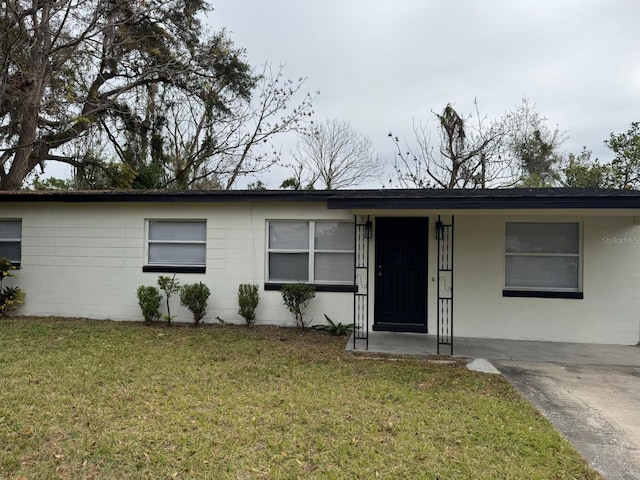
(89, 399)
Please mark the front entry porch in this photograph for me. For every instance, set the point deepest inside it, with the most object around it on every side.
(500, 350)
(399, 277)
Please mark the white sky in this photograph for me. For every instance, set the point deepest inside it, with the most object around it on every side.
(382, 63)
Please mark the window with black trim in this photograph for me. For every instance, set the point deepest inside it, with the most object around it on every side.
(176, 246)
(318, 252)
(542, 257)
(11, 240)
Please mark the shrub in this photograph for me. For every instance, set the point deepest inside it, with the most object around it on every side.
(194, 296)
(10, 297)
(335, 328)
(296, 297)
(248, 299)
(149, 299)
(169, 285)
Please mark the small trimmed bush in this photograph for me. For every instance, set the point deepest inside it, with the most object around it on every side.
(149, 299)
(296, 297)
(248, 299)
(194, 296)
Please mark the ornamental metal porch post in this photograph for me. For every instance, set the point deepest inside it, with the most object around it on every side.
(363, 232)
(444, 235)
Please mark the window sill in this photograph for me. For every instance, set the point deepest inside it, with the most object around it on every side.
(319, 288)
(542, 294)
(173, 269)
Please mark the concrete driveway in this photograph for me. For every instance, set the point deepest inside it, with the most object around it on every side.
(591, 393)
(597, 407)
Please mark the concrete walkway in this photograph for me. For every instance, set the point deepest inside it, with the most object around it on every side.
(591, 393)
(502, 350)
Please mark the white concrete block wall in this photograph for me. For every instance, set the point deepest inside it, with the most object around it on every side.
(609, 312)
(85, 260)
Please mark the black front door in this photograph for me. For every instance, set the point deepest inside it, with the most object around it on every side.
(401, 274)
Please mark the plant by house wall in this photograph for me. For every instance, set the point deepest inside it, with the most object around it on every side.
(169, 285)
(10, 297)
(194, 296)
(248, 299)
(296, 297)
(335, 328)
(149, 299)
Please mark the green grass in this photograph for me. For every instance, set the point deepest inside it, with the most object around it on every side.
(90, 399)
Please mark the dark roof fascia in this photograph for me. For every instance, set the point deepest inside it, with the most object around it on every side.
(498, 199)
(458, 199)
(226, 196)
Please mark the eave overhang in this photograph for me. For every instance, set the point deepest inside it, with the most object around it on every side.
(153, 196)
(498, 199)
(381, 199)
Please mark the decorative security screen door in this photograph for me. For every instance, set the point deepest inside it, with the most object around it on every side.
(401, 274)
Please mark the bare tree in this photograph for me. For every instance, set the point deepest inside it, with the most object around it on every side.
(465, 156)
(333, 156)
(193, 144)
(474, 152)
(258, 122)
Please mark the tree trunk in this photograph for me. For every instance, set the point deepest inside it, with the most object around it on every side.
(36, 78)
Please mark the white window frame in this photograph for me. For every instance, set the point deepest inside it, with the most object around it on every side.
(17, 240)
(311, 251)
(577, 255)
(172, 265)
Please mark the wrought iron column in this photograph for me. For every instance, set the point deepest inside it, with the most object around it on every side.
(363, 232)
(444, 234)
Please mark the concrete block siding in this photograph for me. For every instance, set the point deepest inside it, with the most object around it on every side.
(608, 313)
(85, 260)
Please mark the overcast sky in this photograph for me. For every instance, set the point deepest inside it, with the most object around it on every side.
(382, 63)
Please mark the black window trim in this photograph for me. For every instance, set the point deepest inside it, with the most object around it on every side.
(15, 263)
(321, 286)
(517, 292)
(542, 294)
(174, 269)
(168, 268)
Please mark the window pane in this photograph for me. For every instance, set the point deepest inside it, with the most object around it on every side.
(10, 250)
(10, 228)
(289, 235)
(542, 237)
(334, 267)
(170, 230)
(334, 236)
(289, 267)
(177, 254)
(524, 271)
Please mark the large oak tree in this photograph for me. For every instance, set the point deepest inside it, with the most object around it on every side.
(76, 68)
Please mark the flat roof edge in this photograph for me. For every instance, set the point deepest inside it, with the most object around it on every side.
(382, 199)
(553, 203)
(235, 196)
